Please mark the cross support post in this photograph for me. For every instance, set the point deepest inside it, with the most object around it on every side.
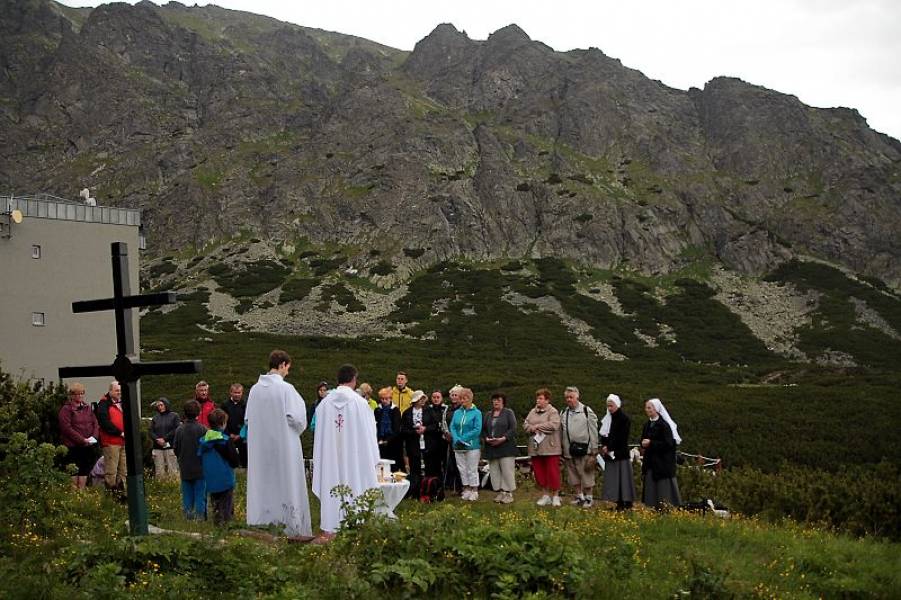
(127, 373)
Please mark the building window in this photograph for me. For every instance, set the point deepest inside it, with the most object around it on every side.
(35, 251)
(37, 319)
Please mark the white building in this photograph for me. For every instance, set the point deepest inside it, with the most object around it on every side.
(60, 253)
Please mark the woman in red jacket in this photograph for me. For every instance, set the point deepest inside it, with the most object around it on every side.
(79, 432)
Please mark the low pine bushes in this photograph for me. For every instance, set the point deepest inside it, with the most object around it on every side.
(862, 500)
(29, 408)
(297, 289)
(835, 323)
(252, 279)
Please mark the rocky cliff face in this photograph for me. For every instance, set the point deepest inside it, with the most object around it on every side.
(217, 122)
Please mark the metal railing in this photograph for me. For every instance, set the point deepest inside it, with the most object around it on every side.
(47, 206)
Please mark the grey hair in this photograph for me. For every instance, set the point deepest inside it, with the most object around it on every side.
(457, 388)
(572, 388)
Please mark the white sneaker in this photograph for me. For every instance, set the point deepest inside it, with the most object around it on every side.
(465, 495)
(545, 500)
(500, 497)
(587, 503)
(473, 496)
(578, 500)
(507, 499)
(555, 501)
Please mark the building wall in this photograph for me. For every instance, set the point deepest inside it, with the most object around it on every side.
(74, 264)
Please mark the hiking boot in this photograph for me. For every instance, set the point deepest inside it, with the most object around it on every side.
(544, 500)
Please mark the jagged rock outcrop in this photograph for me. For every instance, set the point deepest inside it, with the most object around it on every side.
(215, 122)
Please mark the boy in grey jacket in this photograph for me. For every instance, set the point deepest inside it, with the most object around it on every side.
(185, 442)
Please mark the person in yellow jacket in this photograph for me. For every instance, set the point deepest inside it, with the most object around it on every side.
(401, 395)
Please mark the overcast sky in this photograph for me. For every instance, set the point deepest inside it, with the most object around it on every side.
(826, 52)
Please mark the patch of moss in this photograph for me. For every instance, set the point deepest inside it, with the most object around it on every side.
(208, 177)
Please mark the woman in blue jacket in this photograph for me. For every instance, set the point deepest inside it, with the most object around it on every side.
(465, 430)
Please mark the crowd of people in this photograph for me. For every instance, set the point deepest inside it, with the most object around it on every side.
(436, 444)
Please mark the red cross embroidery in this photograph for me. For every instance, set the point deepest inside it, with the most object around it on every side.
(339, 422)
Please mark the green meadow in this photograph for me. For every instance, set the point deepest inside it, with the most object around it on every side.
(811, 473)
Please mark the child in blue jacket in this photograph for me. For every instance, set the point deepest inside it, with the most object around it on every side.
(220, 458)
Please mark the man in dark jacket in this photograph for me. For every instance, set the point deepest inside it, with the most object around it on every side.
(388, 430)
(435, 446)
(413, 430)
(162, 430)
(234, 407)
(185, 442)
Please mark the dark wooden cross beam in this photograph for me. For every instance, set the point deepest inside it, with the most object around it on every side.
(127, 373)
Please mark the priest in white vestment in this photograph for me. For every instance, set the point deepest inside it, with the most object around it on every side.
(345, 449)
(276, 480)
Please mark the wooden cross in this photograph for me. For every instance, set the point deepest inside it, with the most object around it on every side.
(127, 373)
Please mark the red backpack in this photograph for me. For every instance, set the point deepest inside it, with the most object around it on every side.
(431, 490)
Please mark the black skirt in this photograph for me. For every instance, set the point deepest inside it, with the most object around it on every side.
(83, 457)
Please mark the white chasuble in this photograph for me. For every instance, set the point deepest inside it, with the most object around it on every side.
(345, 451)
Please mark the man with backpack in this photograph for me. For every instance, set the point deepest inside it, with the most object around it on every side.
(579, 442)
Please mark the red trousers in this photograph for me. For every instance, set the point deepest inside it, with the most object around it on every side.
(547, 471)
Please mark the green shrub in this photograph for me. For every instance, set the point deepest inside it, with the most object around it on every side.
(707, 331)
(31, 485)
(252, 279)
(342, 295)
(383, 267)
(857, 499)
(244, 305)
(29, 408)
(297, 289)
(188, 314)
(414, 252)
(323, 266)
(834, 325)
(163, 268)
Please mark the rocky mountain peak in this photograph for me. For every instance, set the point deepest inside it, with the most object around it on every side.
(218, 123)
(443, 48)
(512, 33)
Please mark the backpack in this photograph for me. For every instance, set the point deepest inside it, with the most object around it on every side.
(430, 490)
